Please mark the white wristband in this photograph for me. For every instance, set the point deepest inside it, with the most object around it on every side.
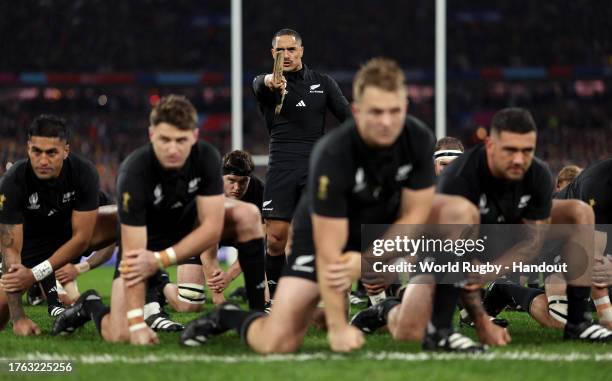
(136, 327)
(42, 270)
(136, 312)
(83, 267)
(171, 255)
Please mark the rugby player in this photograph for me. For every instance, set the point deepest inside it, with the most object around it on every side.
(293, 132)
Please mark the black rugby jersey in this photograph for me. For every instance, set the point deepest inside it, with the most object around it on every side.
(499, 200)
(164, 200)
(593, 186)
(349, 179)
(44, 207)
(254, 193)
(301, 121)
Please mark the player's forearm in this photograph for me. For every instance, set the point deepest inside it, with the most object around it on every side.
(234, 270)
(69, 251)
(334, 301)
(10, 257)
(201, 239)
(100, 257)
(473, 304)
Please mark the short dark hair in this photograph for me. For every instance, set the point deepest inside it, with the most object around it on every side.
(49, 126)
(238, 162)
(383, 73)
(448, 142)
(287, 32)
(176, 110)
(513, 119)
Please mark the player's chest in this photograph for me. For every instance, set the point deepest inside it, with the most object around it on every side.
(498, 207)
(175, 194)
(305, 96)
(379, 181)
(49, 203)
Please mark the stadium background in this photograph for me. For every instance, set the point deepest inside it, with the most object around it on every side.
(102, 64)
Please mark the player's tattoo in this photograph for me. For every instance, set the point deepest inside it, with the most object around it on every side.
(14, 299)
(6, 238)
(473, 304)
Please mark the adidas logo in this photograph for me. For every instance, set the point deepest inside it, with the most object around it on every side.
(301, 104)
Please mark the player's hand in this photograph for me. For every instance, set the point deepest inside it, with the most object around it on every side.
(144, 336)
(345, 339)
(476, 280)
(138, 265)
(340, 275)
(275, 86)
(219, 281)
(67, 274)
(602, 271)
(491, 334)
(25, 327)
(374, 288)
(18, 278)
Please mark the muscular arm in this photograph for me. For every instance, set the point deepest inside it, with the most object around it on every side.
(134, 238)
(11, 241)
(101, 256)
(83, 224)
(330, 236)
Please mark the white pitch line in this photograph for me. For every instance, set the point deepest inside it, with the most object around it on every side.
(394, 356)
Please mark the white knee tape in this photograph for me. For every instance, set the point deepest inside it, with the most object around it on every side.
(557, 307)
(192, 293)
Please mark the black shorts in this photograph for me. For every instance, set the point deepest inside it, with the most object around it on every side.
(282, 192)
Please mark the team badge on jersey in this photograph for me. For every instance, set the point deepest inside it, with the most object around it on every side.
(126, 201)
(193, 185)
(157, 193)
(2, 199)
(323, 184)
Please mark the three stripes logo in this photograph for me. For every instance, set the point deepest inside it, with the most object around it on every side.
(301, 104)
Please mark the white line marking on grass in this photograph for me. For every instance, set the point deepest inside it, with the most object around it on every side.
(301, 357)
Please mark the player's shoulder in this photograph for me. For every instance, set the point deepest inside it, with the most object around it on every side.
(202, 147)
(418, 132)
(466, 165)
(138, 161)
(256, 182)
(79, 163)
(338, 140)
(15, 175)
(539, 171)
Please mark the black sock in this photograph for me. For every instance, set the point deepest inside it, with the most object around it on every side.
(238, 320)
(252, 262)
(274, 267)
(155, 288)
(50, 289)
(386, 306)
(522, 296)
(444, 304)
(577, 304)
(96, 310)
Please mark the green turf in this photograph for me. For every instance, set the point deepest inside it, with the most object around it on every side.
(526, 334)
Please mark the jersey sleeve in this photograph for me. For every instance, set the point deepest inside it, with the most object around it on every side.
(131, 199)
(540, 204)
(210, 172)
(336, 101)
(89, 189)
(423, 173)
(328, 183)
(11, 196)
(452, 184)
(261, 91)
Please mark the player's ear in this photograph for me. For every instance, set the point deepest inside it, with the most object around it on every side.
(151, 132)
(354, 109)
(196, 134)
(66, 150)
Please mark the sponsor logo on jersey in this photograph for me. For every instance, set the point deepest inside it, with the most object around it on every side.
(177, 204)
(68, 196)
(33, 200)
(2, 199)
(301, 263)
(403, 172)
(524, 201)
(51, 212)
(301, 103)
(193, 185)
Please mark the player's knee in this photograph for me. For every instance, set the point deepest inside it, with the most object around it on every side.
(581, 213)
(248, 220)
(191, 297)
(276, 243)
(281, 344)
(409, 332)
(458, 210)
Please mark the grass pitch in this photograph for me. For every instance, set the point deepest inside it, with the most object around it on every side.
(535, 354)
